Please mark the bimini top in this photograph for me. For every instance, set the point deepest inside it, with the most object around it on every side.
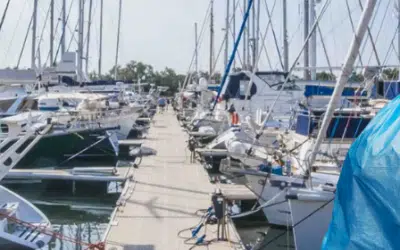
(367, 204)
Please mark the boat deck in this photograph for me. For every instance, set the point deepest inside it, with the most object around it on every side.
(164, 196)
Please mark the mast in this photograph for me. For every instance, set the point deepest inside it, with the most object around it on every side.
(64, 23)
(306, 49)
(344, 75)
(226, 34)
(80, 39)
(253, 39)
(33, 52)
(257, 33)
(234, 26)
(313, 41)
(196, 55)
(118, 34)
(248, 44)
(285, 38)
(211, 40)
(244, 39)
(51, 31)
(398, 33)
(101, 37)
(88, 37)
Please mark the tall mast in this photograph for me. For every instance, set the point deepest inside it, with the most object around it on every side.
(227, 33)
(196, 52)
(253, 39)
(33, 52)
(64, 23)
(313, 42)
(101, 37)
(306, 49)
(80, 39)
(51, 31)
(234, 26)
(118, 33)
(247, 32)
(398, 33)
(211, 39)
(285, 38)
(344, 75)
(88, 37)
(258, 31)
(244, 39)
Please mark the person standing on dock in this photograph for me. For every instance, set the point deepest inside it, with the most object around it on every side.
(168, 102)
(161, 104)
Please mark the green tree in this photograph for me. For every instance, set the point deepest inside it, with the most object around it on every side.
(391, 73)
(356, 77)
(325, 76)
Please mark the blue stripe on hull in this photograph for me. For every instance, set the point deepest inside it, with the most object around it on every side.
(49, 108)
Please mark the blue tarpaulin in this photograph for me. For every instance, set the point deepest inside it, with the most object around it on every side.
(366, 213)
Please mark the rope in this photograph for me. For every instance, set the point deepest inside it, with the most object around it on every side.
(44, 230)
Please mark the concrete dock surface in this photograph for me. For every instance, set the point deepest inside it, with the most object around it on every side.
(163, 197)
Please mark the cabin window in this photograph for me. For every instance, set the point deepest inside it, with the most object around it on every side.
(244, 85)
(4, 128)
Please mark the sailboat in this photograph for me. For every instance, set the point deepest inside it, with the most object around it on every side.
(23, 225)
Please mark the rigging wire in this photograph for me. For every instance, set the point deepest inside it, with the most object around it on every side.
(380, 27)
(202, 30)
(391, 47)
(14, 31)
(224, 41)
(4, 14)
(37, 55)
(372, 23)
(353, 29)
(56, 33)
(370, 38)
(63, 33)
(87, 34)
(264, 47)
(24, 43)
(274, 34)
(325, 50)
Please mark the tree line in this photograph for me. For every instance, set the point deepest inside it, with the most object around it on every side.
(134, 70)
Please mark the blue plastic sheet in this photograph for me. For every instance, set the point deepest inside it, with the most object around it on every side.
(366, 213)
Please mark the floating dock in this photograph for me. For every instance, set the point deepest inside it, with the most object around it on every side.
(103, 174)
(76, 181)
(163, 197)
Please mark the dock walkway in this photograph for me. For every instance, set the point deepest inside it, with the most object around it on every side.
(164, 196)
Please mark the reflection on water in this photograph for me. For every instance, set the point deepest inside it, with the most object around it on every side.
(86, 226)
(80, 219)
(252, 227)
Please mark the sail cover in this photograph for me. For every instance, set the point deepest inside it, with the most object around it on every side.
(366, 213)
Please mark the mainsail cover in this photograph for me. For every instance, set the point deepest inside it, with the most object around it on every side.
(366, 212)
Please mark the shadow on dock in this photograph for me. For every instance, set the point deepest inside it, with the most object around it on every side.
(135, 247)
(173, 188)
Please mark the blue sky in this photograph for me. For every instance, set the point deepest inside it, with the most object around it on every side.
(161, 32)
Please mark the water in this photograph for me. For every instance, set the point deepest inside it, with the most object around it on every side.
(82, 220)
(85, 226)
(252, 227)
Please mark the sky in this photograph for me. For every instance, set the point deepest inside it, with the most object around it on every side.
(161, 32)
